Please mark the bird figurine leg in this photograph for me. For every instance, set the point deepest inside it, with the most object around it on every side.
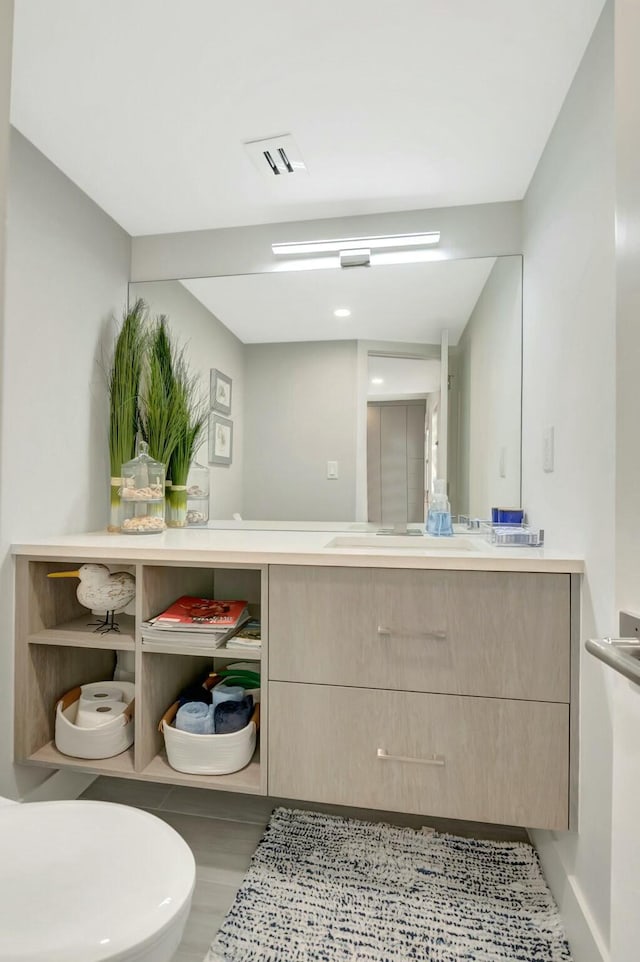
(108, 624)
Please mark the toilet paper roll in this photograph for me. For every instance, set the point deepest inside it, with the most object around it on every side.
(95, 715)
(86, 704)
(101, 691)
(224, 692)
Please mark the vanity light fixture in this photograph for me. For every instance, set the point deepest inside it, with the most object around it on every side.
(377, 380)
(342, 312)
(357, 245)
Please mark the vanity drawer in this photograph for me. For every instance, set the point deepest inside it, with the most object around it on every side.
(498, 634)
(483, 759)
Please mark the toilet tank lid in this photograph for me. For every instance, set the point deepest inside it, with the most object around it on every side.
(87, 880)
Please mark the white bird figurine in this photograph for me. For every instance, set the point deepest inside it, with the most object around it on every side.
(99, 590)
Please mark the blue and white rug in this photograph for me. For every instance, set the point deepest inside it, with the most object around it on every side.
(328, 889)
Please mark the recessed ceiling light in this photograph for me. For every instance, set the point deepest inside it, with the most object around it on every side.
(377, 380)
(342, 312)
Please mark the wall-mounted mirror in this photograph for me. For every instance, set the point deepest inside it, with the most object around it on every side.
(342, 417)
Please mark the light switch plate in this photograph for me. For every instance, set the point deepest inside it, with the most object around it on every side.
(332, 470)
(548, 455)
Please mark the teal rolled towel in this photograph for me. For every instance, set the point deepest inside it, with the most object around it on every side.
(196, 718)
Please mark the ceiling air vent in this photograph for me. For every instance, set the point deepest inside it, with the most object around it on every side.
(276, 156)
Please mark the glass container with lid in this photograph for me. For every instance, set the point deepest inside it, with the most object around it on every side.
(142, 494)
(197, 495)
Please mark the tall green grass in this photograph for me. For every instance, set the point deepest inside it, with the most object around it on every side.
(123, 382)
(158, 423)
(173, 414)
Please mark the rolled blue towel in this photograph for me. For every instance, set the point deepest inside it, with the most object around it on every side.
(196, 718)
(224, 692)
(231, 716)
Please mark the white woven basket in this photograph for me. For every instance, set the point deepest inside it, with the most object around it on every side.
(107, 740)
(208, 754)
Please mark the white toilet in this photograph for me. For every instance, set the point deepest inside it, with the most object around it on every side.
(85, 881)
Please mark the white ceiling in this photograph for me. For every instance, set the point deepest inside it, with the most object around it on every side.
(404, 302)
(395, 106)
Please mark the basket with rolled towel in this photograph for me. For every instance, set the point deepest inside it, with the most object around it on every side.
(211, 728)
(95, 720)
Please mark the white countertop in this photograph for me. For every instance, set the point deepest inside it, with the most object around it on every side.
(465, 551)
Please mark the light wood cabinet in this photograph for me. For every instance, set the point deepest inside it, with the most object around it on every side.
(497, 634)
(439, 692)
(436, 692)
(484, 759)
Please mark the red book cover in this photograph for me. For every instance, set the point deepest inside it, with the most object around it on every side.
(190, 612)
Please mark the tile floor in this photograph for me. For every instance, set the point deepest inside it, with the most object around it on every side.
(223, 831)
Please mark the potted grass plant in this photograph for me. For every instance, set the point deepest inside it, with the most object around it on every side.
(123, 383)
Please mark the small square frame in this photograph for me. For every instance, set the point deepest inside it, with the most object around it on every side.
(220, 392)
(220, 439)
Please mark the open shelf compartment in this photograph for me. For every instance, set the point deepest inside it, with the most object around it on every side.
(56, 650)
(53, 615)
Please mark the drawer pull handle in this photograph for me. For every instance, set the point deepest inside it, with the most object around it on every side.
(427, 635)
(433, 760)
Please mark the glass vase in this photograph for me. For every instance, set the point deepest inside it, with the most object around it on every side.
(177, 506)
(198, 496)
(115, 507)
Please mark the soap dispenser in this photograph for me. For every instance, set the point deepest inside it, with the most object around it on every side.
(439, 516)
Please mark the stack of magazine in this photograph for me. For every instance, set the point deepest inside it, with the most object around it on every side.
(248, 637)
(196, 622)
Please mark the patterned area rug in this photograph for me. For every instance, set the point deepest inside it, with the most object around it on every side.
(328, 889)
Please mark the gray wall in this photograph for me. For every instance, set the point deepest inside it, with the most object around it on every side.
(67, 269)
(488, 381)
(6, 36)
(209, 344)
(569, 383)
(300, 412)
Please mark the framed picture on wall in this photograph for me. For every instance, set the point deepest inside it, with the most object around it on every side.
(220, 392)
(220, 439)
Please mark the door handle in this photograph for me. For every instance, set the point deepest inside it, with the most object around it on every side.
(427, 635)
(621, 654)
(432, 760)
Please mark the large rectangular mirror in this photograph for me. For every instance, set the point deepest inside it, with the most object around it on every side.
(352, 417)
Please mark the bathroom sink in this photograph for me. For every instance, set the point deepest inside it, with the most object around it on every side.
(384, 542)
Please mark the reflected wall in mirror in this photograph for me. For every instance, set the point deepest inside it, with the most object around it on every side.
(341, 418)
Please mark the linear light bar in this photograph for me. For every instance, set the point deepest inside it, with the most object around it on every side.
(382, 242)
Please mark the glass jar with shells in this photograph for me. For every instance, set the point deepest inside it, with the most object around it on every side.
(142, 494)
(198, 496)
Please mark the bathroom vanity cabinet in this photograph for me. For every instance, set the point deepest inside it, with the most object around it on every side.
(435, 685)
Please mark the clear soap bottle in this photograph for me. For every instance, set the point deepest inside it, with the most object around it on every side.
(439, 516)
